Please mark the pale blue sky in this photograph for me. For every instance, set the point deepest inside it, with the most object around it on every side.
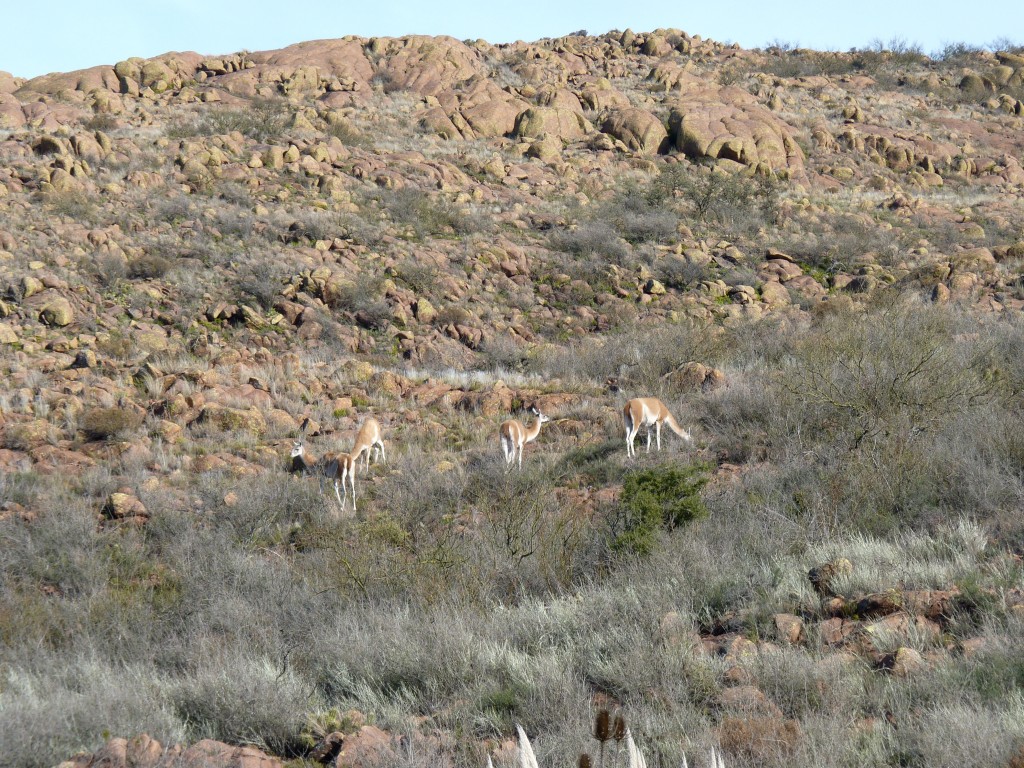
(74, 34)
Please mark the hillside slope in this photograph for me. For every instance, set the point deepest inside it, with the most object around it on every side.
(814, 259)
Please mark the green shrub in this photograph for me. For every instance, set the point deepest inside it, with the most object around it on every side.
(101, 122)
(347, 133)
(642, 215)
(148, 266)
(592, 463)
(105, 423)
(661, 497)
(110, 270)
(891, 371)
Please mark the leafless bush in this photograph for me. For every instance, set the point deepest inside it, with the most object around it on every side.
(592, 238)
(638, 357)
(429, 214)
(261, 120)
(244, 700)
(260, 279)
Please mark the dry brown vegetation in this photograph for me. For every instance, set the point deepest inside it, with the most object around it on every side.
(199, 255)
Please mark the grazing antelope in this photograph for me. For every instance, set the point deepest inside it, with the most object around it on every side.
(368, 439)
(645, 411)
(334, 466)
(514, 436)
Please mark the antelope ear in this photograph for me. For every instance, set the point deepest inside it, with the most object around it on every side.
(533, 409)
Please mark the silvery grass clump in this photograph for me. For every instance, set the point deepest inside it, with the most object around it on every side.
(605, 730)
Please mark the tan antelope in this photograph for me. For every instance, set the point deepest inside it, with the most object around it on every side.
(645, 411)
(368, 439)
(334, 466)
(514, 436)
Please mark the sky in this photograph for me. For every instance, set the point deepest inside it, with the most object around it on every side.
(75, 35)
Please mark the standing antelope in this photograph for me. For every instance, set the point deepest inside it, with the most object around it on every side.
(645, 411)
(368, 439)
(333, 466)
(514, 436)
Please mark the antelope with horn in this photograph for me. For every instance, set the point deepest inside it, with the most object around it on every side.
(648, 411)
(514, 436)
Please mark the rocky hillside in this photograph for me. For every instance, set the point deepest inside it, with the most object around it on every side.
(814, 259)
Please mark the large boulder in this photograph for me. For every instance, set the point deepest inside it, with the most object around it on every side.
(560, 98)
(83, 80)
(728, 124)
(600, 96)
(57, 311)
(638, 129)
(553, 121)
(478, 111)
(12, 116)
(422, 64)
(496, 117)
(9, 83)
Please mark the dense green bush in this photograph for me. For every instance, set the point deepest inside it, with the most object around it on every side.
(655, 499)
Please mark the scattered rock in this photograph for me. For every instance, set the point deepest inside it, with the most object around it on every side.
(122, 505)
(58, 312)
(369, 746)
(904, 662)
(789, 628)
